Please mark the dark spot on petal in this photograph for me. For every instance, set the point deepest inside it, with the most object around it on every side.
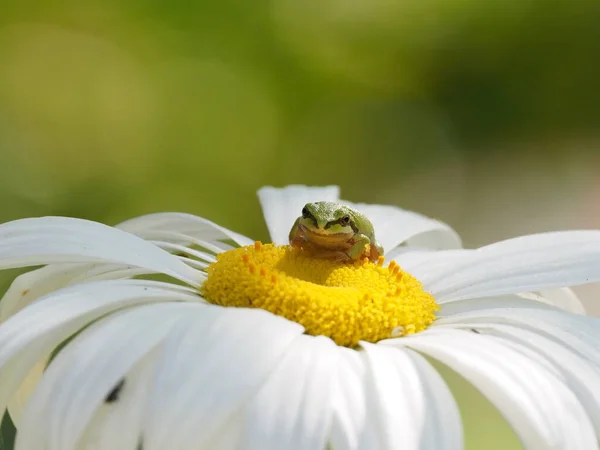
(475, 331)
(25, 292)
(113, 395)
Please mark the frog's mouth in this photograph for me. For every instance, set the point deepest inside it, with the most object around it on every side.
(325, 237)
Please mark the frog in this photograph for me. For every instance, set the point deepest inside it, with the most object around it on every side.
(335, 231)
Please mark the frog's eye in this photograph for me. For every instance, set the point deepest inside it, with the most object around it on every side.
(305, 212)
(345, 220)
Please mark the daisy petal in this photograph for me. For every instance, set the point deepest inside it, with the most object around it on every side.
(580, 333)
(47, 240)
(161, 227)
(402, 397)
(17, 404)
(151, 226)
(230, 438)
(173, 237)
(443, 427)
(452, 308)
(25, 340)
(348, 426)
(117, 423)
(292, 410)
(395, 397)
(79, 379)
(529, 403)
(581, 376)
(209, 368)
(29, 286)
(528, 263)
(564, 298)
(282, 206)
(394, 226)
(422, 263)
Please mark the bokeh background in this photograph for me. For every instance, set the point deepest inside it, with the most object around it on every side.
(484, 114)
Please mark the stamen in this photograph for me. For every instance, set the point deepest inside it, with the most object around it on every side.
(346, 301)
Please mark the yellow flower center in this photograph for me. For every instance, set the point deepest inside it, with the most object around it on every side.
(348, 302)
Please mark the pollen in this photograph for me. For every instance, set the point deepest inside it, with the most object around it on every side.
(349, 302)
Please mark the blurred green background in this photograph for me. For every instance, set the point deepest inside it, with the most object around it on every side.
(484, 114)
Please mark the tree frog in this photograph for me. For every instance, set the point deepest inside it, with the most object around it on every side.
(334, 231)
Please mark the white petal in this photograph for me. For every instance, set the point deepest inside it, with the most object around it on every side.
(555, 298)
(78, 380)
(528, 263)
(178, 226)
(422, 264)
(579, 333)
(174, 237)
(118, 424)
(451, 308)
(582, 377)
(33, 284)
(564, 298)
(293, 408)
(407, 256)
(409, 402)
(539, 406)
(229, 439)
(394, 226)
(47, 240)
(281, 206)
(29, 286)
(202, 256)
(443, 426)
(349, 422)
(25, 340)
(17, 404)
(395, 397)
(209, 369)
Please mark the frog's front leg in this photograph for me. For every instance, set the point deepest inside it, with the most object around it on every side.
(360, 247)
(295, 237)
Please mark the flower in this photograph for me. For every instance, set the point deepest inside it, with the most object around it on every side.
(94, 355)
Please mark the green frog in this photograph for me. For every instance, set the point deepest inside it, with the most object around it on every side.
(331, 230)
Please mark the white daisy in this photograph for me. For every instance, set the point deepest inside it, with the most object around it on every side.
(148, 364)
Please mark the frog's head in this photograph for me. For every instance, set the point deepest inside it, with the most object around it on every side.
(328, 218)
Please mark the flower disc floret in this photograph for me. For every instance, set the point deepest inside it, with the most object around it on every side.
(348, 302)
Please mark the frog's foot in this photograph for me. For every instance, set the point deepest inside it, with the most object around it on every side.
(361, 248)
(375, 251)
(297, 242)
